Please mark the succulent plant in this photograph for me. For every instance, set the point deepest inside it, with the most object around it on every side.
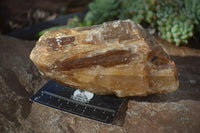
(101, 11)
(192, 11)
(176, 20)
(172, 23)
(138, 11)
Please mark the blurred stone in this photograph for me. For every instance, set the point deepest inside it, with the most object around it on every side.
(170, 49)
(116, 57)
(19, 79)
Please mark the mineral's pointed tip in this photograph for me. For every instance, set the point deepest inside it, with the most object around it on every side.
(116, 57)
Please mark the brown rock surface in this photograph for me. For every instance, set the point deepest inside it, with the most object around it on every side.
(18, 81)
(170, 112)
(116, 57)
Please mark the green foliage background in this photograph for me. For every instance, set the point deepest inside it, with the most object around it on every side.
(176, 20)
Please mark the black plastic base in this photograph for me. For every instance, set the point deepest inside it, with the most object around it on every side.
(102, 108)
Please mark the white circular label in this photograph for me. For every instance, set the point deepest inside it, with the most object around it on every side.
(82, 96)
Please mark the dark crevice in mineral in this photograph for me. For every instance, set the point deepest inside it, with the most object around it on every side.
(110, 58)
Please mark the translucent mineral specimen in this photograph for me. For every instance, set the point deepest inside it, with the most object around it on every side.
(116, 57)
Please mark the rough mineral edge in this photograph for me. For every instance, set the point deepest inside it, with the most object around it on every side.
(116, 57)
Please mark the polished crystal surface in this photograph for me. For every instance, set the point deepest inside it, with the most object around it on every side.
(116, 57)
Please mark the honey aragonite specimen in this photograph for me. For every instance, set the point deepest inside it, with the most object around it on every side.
(116, 57)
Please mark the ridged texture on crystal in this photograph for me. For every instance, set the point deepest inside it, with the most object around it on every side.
(116, 57)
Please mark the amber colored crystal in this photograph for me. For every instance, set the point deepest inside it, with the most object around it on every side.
(116, 57)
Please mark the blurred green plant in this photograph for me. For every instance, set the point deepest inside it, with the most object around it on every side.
(192, 11)
(138, 10)
(72, 22)
(101, 11)
(172, 23)
(52, 28)
(176, 20)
